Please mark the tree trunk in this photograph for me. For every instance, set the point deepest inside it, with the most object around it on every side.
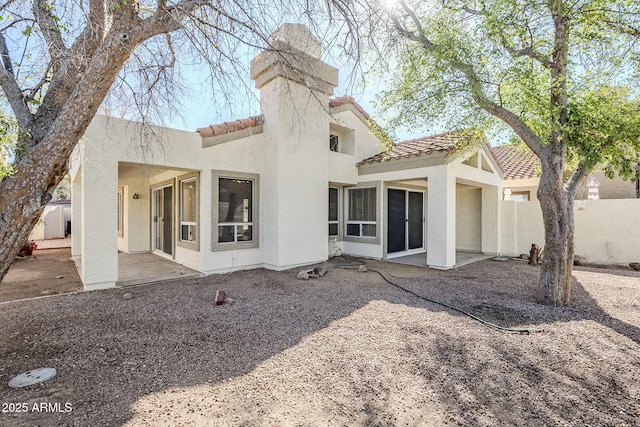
(557, 214)
(23, 198)
(24, 195)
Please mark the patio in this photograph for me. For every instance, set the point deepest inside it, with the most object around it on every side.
(420, 259)
(137, 269)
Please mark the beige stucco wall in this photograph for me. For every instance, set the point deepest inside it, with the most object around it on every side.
(599, 237)
(291, 159)
(468, 218)
(443, 181)
(609, 189)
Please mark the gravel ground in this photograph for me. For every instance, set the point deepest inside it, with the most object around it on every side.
(346, 349)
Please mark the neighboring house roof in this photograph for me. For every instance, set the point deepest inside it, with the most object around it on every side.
(230, 127)
(517, 163)
(416, 147)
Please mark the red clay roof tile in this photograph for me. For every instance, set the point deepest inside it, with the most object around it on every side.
(346, 99)
(416, 147)
(230, 127)
(516, 163)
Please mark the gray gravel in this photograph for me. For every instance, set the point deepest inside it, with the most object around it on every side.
(346, 349)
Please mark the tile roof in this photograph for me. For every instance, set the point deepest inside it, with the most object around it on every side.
(346, 99)
(516, 163)
(416, 147)
(249, 122)
(230, 127)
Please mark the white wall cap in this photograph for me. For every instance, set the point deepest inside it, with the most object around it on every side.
(298, 37)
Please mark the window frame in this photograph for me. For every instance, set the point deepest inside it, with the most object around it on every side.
(519, 196)
(188, 244)
(347, 215)
(336, 222)
(120, 225)
(215, 220)
(334, 142)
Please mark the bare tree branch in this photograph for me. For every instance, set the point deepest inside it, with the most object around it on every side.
(11, 88)
(97, 23)
(577, 177)
(42, 10)
(530, 52)
(527, 51)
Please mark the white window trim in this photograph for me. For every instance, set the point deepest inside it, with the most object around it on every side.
(120, 211)
(361, 223)
(195, 243)
(337, 221)
(363, 239)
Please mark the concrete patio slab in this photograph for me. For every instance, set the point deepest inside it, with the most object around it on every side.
(137, 269)
(420, 260)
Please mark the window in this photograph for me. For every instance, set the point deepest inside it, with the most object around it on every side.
(120, 211)
(520, 196)
(334, 143)
(333, 212)
(361, 221)
(188, 210)
(235, 210)
(235, 201)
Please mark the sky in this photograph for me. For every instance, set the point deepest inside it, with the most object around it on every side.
(199, 109)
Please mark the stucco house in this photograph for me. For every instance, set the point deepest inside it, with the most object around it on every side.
(285, 188)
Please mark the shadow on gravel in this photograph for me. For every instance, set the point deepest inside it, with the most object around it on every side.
(111, 352)
(505, 296)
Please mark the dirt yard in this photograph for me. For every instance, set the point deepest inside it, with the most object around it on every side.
(47, 272)
(345, 349)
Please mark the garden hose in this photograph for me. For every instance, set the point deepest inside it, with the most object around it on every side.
(504, 329)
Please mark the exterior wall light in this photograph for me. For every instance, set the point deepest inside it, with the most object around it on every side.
(135, 196)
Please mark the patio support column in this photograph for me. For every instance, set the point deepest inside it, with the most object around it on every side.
(99, 247)
(441, 227)
(491, 219)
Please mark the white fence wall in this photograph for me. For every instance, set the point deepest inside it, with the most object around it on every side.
(607, 231)
(52, 223)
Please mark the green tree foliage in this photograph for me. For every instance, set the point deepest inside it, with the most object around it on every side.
(604, 131)
(562, 76)
(8, 141)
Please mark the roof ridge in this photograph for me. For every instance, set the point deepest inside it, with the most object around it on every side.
(231, 126)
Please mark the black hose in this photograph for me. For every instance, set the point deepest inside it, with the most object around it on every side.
(473, 316)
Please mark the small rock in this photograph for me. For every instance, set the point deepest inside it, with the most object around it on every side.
(59, 277)
(579, 260)
(362, 268)
(128, 295)
(635, 265)
(524, 256)
(320, 270)
(303, 275)
(228, 300)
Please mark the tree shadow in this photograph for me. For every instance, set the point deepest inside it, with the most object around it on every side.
(112, 352)
(506, 295)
